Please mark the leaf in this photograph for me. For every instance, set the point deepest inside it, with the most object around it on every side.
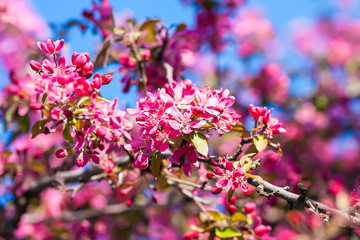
(254, 176)
(238, 217)
(79, 124)
(200, 143)
(216, 215)
(149, 24)
(39, 127)
(37, 167)
(260, 142)
(176, 143)
(238, 127)
(155, 165)
(247, 166)
(25, 123)
(260, 126)
(246, 157)
(251, 149)
(10, 113)
(230, 194)
(44, 98)
(227, 232)
(181, 27)
(67, 133)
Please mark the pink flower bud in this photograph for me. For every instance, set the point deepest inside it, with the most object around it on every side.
(79, 59)
(124, 58)
(132, 63)
(36, 66)
(36, 106)
(68, 113)
(96, 82)
(196, 234)
(61, 153)
(146, 54)
(129, 202)
(101, 131)
(101, 146)
(80, 162)
(106, 79)
(80, 135)
(232, 209)
(232, 199)
(88, 67)
(216, 190)
(261, 230)
(210, 175)
(55, 114)
(188, 83)
(249, 207)
(188, 235)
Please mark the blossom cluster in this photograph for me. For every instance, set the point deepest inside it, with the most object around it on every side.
(271, 125)
(179, 117)
(95, 125)
(228, 177)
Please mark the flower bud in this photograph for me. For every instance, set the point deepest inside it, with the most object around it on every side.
(216, 190)
(36, 106)
(232, 209)
(132, 63)
(101, 131)
(188, 235)
(106, 79)
(188, 83)
(36, 66)
(55, 114)
(61, 153)
(232, 199)
(210, 175)
(196, 234)
(146, 54)
(124, 58)
(249, 207)
(129, 202)
(80, 162)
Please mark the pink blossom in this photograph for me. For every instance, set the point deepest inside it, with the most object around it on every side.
(51, 47)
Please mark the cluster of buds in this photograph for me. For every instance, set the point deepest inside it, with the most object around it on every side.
(271, 125)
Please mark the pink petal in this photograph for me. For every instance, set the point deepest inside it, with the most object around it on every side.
(174, 134)
(197, 124)
(59, 44)
(164, 146)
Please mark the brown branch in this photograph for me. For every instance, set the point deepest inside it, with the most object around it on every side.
(267, 189)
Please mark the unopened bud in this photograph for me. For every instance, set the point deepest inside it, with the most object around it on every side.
(146, 54)
(61, 153)
(216, 190)
(210, 175)
(232, 209)
(101, 131)
(36, 66)
(36, 106)
(106, 79)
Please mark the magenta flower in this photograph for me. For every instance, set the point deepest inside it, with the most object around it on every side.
(51, 47)
(190, 157)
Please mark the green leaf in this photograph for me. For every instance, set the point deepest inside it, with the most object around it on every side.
(155, 165)
(176, 143)
(251, 149)
(67, 133)
(200, 143)
(216, 215)
(149, 24)
(238, 217)
(37, 167)
(230, 194)
(10, 113)
(260, 142)
(227, 232)
(25, 123)
(44, 98)
(39, 127)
